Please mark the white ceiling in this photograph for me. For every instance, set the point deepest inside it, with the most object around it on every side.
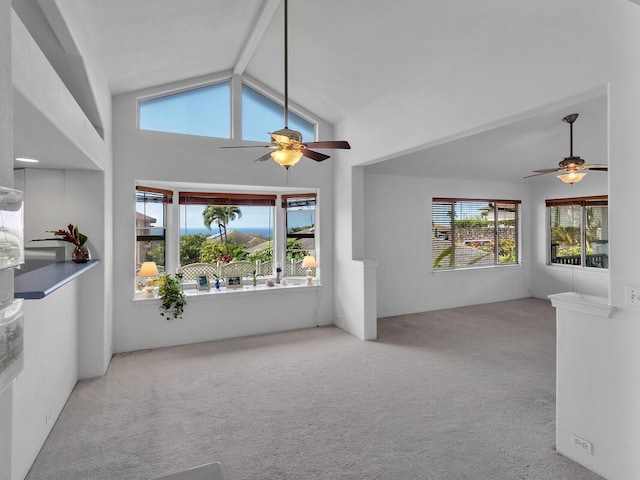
(343, 54)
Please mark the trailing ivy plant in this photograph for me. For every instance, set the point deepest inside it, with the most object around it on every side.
(172, 298)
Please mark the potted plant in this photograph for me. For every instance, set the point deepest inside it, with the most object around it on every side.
(217, 282)
(172, 298)
(72, 235)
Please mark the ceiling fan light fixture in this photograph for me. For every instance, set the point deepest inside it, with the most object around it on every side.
(571, 177)
(286, 157)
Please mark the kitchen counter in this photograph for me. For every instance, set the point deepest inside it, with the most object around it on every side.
(43, 281)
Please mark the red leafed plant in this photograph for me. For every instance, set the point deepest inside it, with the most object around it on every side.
(71, 235)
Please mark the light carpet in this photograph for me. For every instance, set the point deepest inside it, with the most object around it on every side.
(459, 394)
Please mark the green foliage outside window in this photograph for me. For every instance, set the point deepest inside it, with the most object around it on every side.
(294, 252)
(156, 254)
(212, 252)
(190, 246)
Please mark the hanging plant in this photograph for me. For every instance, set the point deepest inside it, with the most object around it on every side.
(172, 298)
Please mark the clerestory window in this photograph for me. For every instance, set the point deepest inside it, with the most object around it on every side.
(474, 233)
(579, 231)
(206, 111)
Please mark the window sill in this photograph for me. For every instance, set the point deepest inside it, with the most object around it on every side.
(193, 294)
(475, 269)
(580, 268)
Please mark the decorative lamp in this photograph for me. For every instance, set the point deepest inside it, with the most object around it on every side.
(148, 269)
(571, 177)
(309, 262)
(286, 157)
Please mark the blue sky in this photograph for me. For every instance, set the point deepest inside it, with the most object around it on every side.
(252, 217)
(206, 111)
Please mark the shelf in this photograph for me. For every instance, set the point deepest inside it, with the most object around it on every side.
(43, 281)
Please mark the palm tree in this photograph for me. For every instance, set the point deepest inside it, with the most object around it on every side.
(221, 216)
(212, 214)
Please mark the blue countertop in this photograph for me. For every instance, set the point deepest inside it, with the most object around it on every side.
(43, 281)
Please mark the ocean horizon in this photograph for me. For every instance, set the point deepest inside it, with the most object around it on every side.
(266, 233)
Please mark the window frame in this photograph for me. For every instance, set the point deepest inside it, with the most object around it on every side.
(297, 235)
(185, 89)
(582, 203)
(451, 235)
(156, 195)
(260, 195)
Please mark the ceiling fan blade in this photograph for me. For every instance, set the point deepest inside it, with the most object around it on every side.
(264, 157)
(596, 166)
(317, 156)
(251, 146)
(541, 173)
(548, 170)
(329, 144)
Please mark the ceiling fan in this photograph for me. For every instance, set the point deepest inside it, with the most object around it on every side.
(573, 167)
(286, 144)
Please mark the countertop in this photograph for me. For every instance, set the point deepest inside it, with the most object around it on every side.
(43, 281)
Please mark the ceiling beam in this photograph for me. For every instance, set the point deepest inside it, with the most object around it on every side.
(264, 18)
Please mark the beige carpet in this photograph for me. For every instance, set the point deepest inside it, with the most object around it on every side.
(458, 394)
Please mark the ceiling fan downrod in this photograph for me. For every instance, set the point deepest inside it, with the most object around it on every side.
(569, 119)
(286, 64)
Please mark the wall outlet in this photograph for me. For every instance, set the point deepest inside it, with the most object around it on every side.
(632, 296)
(582, 444)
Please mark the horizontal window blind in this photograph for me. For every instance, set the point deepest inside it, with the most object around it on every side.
(226, 199)
(475, 232)
(299, 200)
(153, 195)
(600, 200)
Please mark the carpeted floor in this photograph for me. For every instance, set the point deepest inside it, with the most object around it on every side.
(459, 394)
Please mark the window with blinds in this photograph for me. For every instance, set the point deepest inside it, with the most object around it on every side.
(151, 224)
(300, 218)
(225, 233)
(579, 232)
(475, 232)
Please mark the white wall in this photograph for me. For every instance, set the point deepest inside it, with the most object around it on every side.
(53, 199)
(589, 378)
(50, 371)
(146, 155)
(398, 237)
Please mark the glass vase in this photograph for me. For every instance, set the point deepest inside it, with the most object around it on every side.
(81, 254)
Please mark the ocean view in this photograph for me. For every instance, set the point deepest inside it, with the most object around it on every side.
(264, 231)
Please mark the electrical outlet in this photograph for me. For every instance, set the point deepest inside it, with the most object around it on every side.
(582, 444)
(633, 296)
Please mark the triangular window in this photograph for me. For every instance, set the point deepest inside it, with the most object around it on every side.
(204, 111)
